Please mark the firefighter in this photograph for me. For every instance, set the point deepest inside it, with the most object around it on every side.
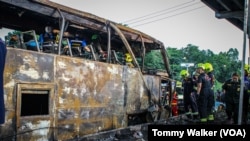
(246, 76)
(231, 87)
(205, 95)
(174, 104)
(189, 96)
(129, 60)
(195, 79)
(247, 90)
(209, 71)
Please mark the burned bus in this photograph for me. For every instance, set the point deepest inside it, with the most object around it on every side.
(57, 91)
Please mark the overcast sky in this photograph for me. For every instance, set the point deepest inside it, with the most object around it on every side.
(174, 22)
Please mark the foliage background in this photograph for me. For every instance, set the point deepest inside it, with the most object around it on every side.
(224, 63)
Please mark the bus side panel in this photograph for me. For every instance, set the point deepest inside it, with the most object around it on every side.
(21, 67)
(86, 96)
(90, 96)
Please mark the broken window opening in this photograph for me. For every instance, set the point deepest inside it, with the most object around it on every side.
(34, 102)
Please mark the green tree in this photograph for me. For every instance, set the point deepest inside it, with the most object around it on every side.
(224, 63)
(153, 60)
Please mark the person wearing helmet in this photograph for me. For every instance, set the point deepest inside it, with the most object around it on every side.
(246, 74)
(209, 71)
(188, 96)
(246, 106)
(129, 60)
(205, 95)
(195, 79)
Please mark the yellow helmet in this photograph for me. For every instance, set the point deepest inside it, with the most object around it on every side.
(184, 73)
(247, 68)
(128, 57)
(208, 67)
(200, 65)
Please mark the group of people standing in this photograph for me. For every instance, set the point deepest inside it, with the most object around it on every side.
(198, 93)
(199, 101)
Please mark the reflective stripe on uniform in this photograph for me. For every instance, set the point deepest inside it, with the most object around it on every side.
(195, 113)
(203, 119)
(210, 117)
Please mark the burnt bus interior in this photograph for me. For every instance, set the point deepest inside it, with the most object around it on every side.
(30, 17)
(73, 106)
(31, 24)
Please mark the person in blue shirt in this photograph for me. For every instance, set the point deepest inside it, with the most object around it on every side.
(3, 52)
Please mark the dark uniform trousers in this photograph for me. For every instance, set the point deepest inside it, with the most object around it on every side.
(205, 102)
(232, 101)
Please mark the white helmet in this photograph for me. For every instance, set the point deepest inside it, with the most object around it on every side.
(48, 29)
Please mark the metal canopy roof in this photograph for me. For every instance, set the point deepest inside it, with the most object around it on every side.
(231, 10)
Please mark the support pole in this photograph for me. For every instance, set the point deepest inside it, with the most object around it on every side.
(243, 63)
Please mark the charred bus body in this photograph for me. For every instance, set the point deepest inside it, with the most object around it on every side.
(55, 95)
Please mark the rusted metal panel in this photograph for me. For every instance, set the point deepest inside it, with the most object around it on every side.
(73, 96)
(39, 127)
(154, 84)
(34, 129)
(28, 66)
(88, 96)
(97, 94)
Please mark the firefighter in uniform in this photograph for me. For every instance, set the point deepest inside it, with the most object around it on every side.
(189, 96)
(195, 79)
(247, 84)
(205, 95)
(231, 88)
(246, 96)
(129, 60)
(209, 71)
